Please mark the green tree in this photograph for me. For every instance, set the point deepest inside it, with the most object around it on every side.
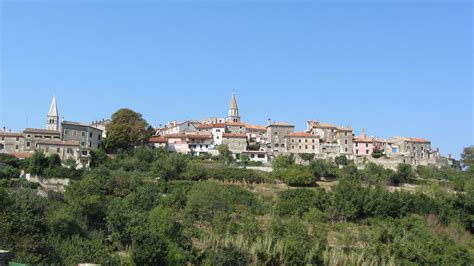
(225, 155)
(126, 130)
(37, 163)
(283, 161)
(467, 157)
(170, 166)
(341, 160)
(244, 160)
(404, 174)
(298, 175)
(306, 156)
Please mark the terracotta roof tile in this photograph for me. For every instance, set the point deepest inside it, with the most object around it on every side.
(158, 140)
(302, 134)
(234, 135)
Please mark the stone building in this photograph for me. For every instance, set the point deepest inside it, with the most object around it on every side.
(11, 142)
(237, 143)
(332, 134)
(65, 149)
(33, 135)
(302, 142)
(275, 138)
(174, 127)
(88, 136)
(415, 148)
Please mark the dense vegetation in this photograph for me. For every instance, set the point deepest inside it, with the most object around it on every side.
(149, 207)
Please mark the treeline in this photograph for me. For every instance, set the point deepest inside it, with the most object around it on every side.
(150, 207)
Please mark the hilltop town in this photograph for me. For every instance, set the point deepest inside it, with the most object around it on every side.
(257, 143)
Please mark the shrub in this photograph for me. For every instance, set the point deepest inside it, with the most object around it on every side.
(299, 201)
(298, 176)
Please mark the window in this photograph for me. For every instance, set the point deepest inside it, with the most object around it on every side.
(292, 140)
(90, 134)
(306, 140)
(313, 140)
(306, 146)
(357, 151)
(366, 151)
(28, 144)
(282, 145)
(261, 156)
(69, 151)
(314, 147)
(90, 143)
(277, 145)
(3, 138)
(299, 147)
(83, 144)
(252, 155)
(357, 144)
(29, 136)
(218, 130)
(345, 133)
(207, 146)
(84, 153)
(16, 147)
(346, 149)
(299, 141)
(345, 141)
(293, 147)
(99, 137)
(217, 137)
(17, 138)
(276, 133)
(58, 150)
(83, 133)
(367, 145)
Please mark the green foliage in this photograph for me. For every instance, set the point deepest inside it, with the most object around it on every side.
(322, 168)
(98, 157)
(297, 175)
(126, 130)
(254, 147)
(225, 155)
(37, 163)
(306, 156)
(341, 160)
(170, 166)
(283, 161)
(404, 174)
(118, 207)
(299, 201)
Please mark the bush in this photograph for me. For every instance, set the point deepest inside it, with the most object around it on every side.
(298, 175)
(299, 201)
(322, 168)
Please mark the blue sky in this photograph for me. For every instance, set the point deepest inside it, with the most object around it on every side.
(393, 68)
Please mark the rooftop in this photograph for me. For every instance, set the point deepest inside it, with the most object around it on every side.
(302, 135)
(40, 130)
(234, 135)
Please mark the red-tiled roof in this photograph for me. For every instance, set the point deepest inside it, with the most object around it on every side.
(22, 155)
(420, 140)
(256, 127)
(302, 135)
(158, 140)
(40, 130)
(234, 135)
(235, 124)
(206, 126)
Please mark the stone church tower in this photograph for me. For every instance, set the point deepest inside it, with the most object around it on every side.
(233, 115)
(52, 122)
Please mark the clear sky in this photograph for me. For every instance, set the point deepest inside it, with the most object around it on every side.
(394, 68)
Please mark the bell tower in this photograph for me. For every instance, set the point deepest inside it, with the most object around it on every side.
(233, 114)
(52, 121)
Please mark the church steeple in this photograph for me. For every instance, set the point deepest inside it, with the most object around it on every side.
(233, 114)
(52, 121)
